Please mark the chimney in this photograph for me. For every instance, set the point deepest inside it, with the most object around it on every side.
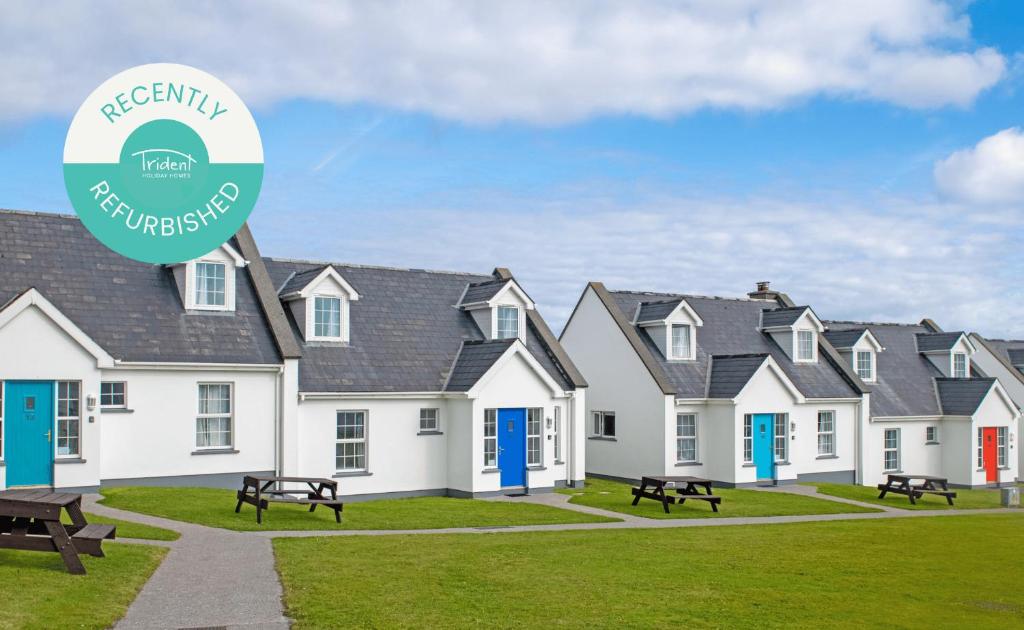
(763, 292)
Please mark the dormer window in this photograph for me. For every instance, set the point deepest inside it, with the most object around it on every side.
(960, 365)
(210, 284)
(805, 345)
(681, 346)
(865, 365)
(508, 322)
(327, 317)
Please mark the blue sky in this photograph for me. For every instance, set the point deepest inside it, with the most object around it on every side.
(854, 158)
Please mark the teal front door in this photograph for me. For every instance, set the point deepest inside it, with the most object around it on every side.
(28, 433)
(764, 452)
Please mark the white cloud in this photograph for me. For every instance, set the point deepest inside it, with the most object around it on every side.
(542, 62)
(992, 171)
(890, 259)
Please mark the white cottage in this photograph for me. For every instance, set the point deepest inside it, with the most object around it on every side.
(401, 382)
(742, 391)
(932, 413)
(1003, 359)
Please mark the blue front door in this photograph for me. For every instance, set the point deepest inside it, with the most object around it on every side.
(764, 454)
(28, 431)
(512, 447)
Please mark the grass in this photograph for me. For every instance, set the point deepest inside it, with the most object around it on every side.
(910, 573)
(615, 496)
(965, 499)
(216, 508)
(130, 530)
(37, 592)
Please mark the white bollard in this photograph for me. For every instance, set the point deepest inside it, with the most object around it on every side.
(1010, 497)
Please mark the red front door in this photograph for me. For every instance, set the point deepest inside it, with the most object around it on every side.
(989, 454)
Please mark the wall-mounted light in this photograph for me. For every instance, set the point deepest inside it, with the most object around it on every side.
(90, 401)
(792, 426)
(550, 422)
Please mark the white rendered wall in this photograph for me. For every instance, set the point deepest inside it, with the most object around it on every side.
(1011, 382)
(618, 381)
(994, 412)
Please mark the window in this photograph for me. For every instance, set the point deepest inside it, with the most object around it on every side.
(508, 322)
(213, 424)
(558, 434)
(781, 443)
(534, 422)
(428, 420)
(981, 449)
(680, 341)
(350, 449)
(748, 438)
(1001, 447)
(959, 365)
(490, 438)
(805, 345)
(686, 437)
(68, 418)
(327, 317)
(891, 450)
(210, 284)
(826, 433)
(865, 365)
(112, 394)
(931, 435)
(604, 424)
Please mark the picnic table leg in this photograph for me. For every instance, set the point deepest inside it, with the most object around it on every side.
(316, 493)
(337, 507)
(885, 489)
(75, 512)
(643, 487)
(259, 506)
(910, 492)
(664, 498)
(244, 491)
(714, 504)
(64, 546)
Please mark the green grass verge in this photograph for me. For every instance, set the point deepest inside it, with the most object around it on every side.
(37, 592)
(933, 572)
(615, 496)
(130, 530)
(965, 499)
(216, 508)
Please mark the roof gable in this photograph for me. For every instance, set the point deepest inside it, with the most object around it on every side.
(845, 340)
(302, 285)
(490, 293)
(962, 396)
(662, 311)
(937, 342)
(33, 297)
(787, 317)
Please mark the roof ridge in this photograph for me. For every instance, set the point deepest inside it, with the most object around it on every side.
(866, 323)
(744, 355)
(40, 213)
(691, 295)
(325, 263)
(479, 342)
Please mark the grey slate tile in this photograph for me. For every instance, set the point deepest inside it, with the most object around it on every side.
(962, 396)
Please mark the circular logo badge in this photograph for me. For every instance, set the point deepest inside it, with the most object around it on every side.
(163, 163)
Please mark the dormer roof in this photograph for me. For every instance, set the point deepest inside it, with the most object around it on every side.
(659, 311)
(845, 340)
(930, 342)
(489, 292)
(731, 373)
(301, 284)
(962, 396)
(786, 317)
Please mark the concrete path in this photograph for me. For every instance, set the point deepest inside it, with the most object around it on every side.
(811, 491)
(212, 578)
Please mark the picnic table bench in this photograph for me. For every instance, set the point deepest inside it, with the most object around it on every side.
(30, 520)
(685, 487)
(904, 484)
(257, 491)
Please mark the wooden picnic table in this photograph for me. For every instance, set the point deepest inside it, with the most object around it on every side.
(30, 520)
(928, 484)
(685, 487)
(257, 491)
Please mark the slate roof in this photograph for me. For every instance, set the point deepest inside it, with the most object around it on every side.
(937, 341)
(785, 316)
(405, 331)
(482, 291)
(729, 374)
(1011, 349)
(844, 338)
(962, 396)
(1016, 356)
(298, 282)
(131, 309)
(657, 310)
(731, 328)
(475, 358)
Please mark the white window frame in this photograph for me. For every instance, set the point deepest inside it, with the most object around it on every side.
(341, 318)
(748, 438)
(193, 286)
(490, 438)
(780, 439)
(683, 438)
(425, 417)
(535, 436)
(934, 438)
(798, 357)
(886, 449)
(688, 348)
(364, 440)
(1002, 435)
(498, 321)
(828, 436)
(557, 438)
(599, 427)
(230, 415)
(124, 395)
(870, 364)
(954, 370)
(981, 448)
(67, 420)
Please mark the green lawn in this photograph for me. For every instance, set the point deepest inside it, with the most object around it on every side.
(130, 530)
(615, 496)
(965, 499)
(37, 592)
(956, 573)
(216, 508)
